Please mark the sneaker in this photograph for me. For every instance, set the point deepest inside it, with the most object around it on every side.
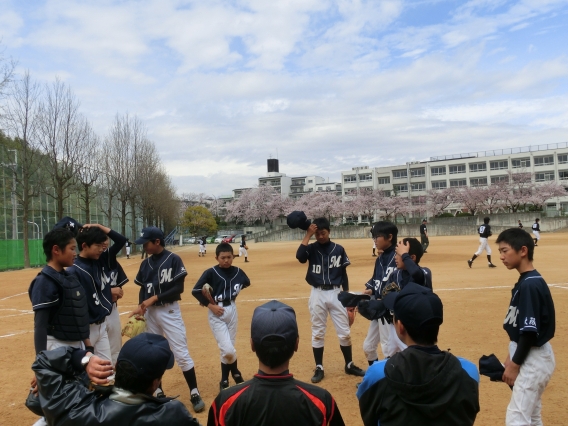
(159, 393)
(470, 262)
(197, 402)
(238, 378)
(318, 375)
(224, 384)
(491, 265)
(354, 370)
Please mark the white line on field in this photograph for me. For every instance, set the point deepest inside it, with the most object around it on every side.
(15, 334)
(15, 295)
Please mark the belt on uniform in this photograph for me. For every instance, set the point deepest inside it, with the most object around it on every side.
(99, 322)
(328, 287)
(225, 303)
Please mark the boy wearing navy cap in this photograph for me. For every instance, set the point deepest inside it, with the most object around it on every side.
(422, 384)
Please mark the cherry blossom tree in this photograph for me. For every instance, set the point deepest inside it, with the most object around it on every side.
(546, 191)
(494, 197)
(257, 205)
(320, 204)
(471, 197)
(440, 199)
(518, 190)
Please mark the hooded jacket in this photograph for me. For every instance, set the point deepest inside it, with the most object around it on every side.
(420, 386)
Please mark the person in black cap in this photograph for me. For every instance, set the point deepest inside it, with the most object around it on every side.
(421, 385)
(161, 279)
(141, 364)
(273, 397)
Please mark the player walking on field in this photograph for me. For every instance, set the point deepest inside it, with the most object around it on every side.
(424, 236)
(243, 248)
(226, 282)
(530, 324)
(484, 233)
(202, 246)
(327, 263)
(161, 279)
(536, 231)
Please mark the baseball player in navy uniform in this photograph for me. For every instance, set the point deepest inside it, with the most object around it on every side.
(424, 235)
(128, 247)
(536, 231)
(161, 279)
(327, 263)
(114, 276)
(408, 253)
(484, 233)
(520, 224)
(243, 248)
(202, 246)
(530, 324)
(385, 234)
(226, 282)
(89, 269)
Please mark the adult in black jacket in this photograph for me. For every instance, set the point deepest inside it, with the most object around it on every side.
(141, 363)
(421, 385)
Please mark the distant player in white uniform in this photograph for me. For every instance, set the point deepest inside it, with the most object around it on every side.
(484, 233)
(128, 246)
(243, 248)
(226, 282)
(327, 263)
(202, 246)
(536, 231)
(161, 280)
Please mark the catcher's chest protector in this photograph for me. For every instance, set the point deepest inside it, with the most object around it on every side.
(71, 322)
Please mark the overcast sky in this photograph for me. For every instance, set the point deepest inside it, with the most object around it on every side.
(322, 85)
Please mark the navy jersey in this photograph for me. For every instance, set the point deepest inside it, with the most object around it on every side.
(161, 275)
(412, 273)
(226, 283)
(202, 241)
(536, 227)
(384, 267)
(484, 231)
(531, 309)
(423, 229)
(113, 272)
(520, 225)
(327, 264)
(44, 292)
(243, 242)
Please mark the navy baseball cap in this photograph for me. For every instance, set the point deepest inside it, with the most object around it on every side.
(274, 324)
(149, 354)
(298, 219)
(149, 234)
(415, 306)
(68, 223)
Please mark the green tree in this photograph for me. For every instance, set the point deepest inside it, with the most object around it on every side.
(199, 220)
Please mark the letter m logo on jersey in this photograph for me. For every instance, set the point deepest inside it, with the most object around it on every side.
(166, 276)
(335, 262)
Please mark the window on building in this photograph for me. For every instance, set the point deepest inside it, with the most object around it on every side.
(521, 162)
(365, 177)
(350, 178)
(478, 181)
(458, 182)
(547, 160)
(457, 168)
(499, 165)
(497, 179)
(310, 181)
(319, 188)
(563, 174)
(419, 186)
(439, 184)
(310, 189)
(421, 172)
(562, 158)
(384, 180)
(399, 174)
(401, 188)
(543, 176)
(338, 187)
(478, 167)
(438, 171)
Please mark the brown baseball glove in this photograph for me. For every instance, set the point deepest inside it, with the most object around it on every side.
(207, 291)
(134, 326)
(389, 288)
(351, 313)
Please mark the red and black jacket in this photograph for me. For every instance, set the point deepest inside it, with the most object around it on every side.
(274, 400)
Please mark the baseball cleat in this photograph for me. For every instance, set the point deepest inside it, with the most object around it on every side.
(354, 370)
(318, 375)
(197, 402)
(470, 262)
(238, 378)
(224, 384)
(491, 265)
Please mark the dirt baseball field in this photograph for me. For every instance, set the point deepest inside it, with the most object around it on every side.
(475, 303)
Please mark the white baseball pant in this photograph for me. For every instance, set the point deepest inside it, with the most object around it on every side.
(114, 332)
(167, 321)
(483, 245)
(224, 330)
(202, 248)
(536, 235)
(127, 251)
(372, 341)
(321, 303)
(243, 252)
(525, 406)
(99, 339)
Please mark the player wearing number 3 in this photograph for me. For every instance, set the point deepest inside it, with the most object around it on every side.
(327, 263)
(161, 280)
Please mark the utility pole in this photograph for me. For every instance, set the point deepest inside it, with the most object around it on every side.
(14, 198)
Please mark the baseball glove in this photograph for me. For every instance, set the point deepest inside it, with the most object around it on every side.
(134, 326)
(351, 313)
(207, 291)
(246, 247)
(389, 288)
